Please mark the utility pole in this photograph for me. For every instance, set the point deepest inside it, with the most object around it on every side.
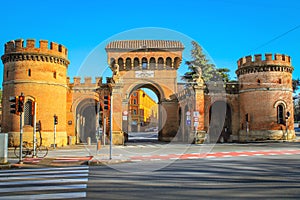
(108, 104)
(98, 131)
(55, 123)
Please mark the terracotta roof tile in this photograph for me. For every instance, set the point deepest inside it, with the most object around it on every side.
(140, 44)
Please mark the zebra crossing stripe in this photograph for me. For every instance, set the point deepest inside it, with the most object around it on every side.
(47, 196)
(45, 183)
(41, 188)
(62, 180)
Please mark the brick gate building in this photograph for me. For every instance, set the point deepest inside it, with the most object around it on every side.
(257, 107)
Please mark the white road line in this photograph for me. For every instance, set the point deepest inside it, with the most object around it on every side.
(62, 180)
(42, 176)
(192, 157)
(41, 188)
(45, 169)
(210, 156)
(17, 173)
(47, 196)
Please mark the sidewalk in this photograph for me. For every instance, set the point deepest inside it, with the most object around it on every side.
(132, 152)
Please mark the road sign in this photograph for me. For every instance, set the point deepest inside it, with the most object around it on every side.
(188, 113)
(196, 114)
(188, 122)
(196, 124)
(196, 119)
(125, 113)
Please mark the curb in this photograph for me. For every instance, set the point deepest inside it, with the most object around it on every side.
(96, 162)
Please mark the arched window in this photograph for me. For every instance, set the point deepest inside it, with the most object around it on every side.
(177, 62)
(128, 63)
(112, 62)
(144, 63)
(169, 62)
(121, 63)
(152, 63)
(160, 62)
(136, 62)
(280, 114)
(134, 112)
(28, 113)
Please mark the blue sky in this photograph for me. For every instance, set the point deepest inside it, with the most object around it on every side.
(226, 29)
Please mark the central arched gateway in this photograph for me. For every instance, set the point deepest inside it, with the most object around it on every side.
(151, 64)
(129, 124)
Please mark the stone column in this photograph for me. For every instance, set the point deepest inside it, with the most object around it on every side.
(199, 107)
(116, 109)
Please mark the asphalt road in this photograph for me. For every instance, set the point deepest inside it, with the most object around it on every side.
(263, 177)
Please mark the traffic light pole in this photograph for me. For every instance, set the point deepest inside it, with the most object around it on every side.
(111, 124)
(54, 136)
(21, 139)
(34, 130)
(55, 122)
(104, 130)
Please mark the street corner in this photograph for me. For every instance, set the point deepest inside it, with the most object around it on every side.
(53, 162)
(99, 160)
(7, 165)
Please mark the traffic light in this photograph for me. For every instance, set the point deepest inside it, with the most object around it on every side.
(14, 105)
(21, 103)
(55, 120)
(107, 102)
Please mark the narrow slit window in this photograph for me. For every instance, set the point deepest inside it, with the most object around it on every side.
(280, 115)
(28, 113)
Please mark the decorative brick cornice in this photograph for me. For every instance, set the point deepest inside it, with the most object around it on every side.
(25, 56)
(266, 89)
(14, 82)
(265, 68)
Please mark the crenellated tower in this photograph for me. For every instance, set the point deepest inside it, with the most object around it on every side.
(265, 96)
(39, 73)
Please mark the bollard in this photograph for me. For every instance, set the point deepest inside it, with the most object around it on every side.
(3, 148)
(88, 140)
(98, 145)
(70, 140)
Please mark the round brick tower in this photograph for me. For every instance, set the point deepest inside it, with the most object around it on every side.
(39, 73)
(266, 102)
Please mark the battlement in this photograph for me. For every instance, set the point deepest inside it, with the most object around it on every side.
(270, 59)
(29, 46)
(87, 82)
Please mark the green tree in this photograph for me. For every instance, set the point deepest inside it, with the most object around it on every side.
(224, 73)
(296, 84)
(201, 65)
